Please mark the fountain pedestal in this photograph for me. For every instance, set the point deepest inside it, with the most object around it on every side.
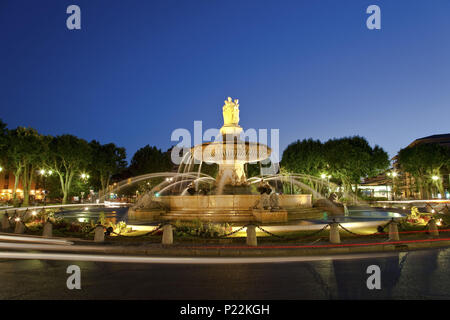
(264, 216)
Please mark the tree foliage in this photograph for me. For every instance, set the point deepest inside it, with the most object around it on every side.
(107, 160)
(306, 156)
(69, 156)
(150, 159)
(346, 159)
(25, 152)
(352, 158)
(423, 161)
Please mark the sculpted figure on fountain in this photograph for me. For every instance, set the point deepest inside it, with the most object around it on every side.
(230, 112)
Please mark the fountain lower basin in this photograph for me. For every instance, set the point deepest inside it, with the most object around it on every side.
(219, 208)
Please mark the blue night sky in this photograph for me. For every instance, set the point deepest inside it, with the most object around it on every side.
(137, 70)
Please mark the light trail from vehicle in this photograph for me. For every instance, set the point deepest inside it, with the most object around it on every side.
(185, 260)
(34, 239)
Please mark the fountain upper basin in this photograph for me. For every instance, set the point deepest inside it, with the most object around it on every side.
(230, 151)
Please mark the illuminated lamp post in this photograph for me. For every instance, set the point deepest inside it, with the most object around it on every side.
(435, 180)
(84, 177)
(45, 173)
(393, 174)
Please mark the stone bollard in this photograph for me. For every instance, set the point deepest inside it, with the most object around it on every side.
(251, 236)
(432, 228)
(48, 230)
(167, 237)
(20, 227)
(5, 222)
(393, 231)
(335, 237)
(99, 235)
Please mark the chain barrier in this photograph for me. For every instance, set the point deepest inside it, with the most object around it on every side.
(159, 227)
(293, 238)
(380, 230)
(217, 237)
(313, 233)
(270, 233)
(233, 232)
(351, 232)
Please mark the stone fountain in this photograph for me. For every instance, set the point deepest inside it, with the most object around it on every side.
(232, 199)
(231, 154)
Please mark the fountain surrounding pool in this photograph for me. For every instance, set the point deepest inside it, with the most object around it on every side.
(356, 217)
(90, 214)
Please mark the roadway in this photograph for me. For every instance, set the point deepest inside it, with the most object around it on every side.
(414, 275)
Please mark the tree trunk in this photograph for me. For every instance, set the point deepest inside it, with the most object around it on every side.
(28, 174)
(441, 189)
(63, 188)
(64, 200)
(25, 184)
(16, 184)
(104, 185)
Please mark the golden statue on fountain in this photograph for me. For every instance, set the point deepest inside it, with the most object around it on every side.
(231, 112)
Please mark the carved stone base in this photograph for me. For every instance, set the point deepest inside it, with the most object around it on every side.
(231, 174)
(145, 214)
(228, 189)
(270, 216)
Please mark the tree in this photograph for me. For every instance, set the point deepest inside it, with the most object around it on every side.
(14, 162)
(24, 153)
(3, 143)
(423, 161)
(347, 159)
(35, 145)
(306, 156)
(69, 156)
(351, 158)
(150, 159)
(107, 160)
(3, 136)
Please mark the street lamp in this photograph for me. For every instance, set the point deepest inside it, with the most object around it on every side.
(392, 174)
(84, 177)
(435, 180)
(44, 173)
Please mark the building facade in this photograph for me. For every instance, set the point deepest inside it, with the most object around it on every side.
(7, 180)
(398, 185)
(406, 182)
